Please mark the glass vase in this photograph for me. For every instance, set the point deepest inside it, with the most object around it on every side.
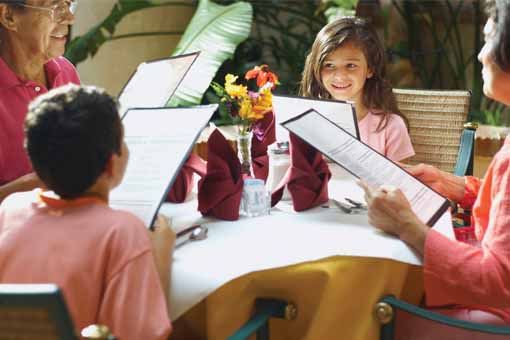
(244, 152)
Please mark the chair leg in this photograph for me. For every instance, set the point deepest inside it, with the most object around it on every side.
(259, 323)
(263, 331)
(388, 331)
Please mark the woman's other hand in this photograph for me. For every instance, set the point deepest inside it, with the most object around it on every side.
(390, 211)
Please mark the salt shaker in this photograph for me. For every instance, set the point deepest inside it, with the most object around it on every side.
(255, 200)
(279, 162)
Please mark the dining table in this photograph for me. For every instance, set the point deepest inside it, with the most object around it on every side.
(331, 264)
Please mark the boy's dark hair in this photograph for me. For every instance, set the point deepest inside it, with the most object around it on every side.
(70, 134)
(499, 11)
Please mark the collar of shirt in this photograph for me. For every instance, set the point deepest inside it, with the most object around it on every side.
(9, 79)
(51, 200)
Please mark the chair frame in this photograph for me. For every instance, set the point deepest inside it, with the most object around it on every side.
(465, 157)
(259, 323)
(46, 296)
(387, 308)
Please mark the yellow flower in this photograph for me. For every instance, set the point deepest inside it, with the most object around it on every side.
(245, 111)
(262, 104)
(234, 90)
(230, 79)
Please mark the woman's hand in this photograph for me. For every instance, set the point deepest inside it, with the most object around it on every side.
(446, 184)
(390, 211)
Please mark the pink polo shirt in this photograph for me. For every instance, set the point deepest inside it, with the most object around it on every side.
(15, 95)
(393, 141)
(100, 258)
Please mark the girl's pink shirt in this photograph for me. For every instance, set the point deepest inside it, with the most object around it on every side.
(393, 141)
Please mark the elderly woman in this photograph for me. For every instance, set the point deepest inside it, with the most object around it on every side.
(475, 279)
(33, 35)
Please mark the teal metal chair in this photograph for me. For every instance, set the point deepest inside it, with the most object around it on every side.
(465, 157)
(38, 311)
(403, 321)
(265, 309)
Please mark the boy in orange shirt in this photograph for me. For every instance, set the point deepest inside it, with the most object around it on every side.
(104, 260)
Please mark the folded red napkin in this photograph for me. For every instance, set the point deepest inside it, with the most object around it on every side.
(263, 135)
(219, 191)
(184, 182)
(307, 178)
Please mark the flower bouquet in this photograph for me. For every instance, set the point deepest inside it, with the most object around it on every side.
(245, 108)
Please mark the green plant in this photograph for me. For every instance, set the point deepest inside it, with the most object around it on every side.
(87, 45)
(443, 38)
(282, 34)
(334, 9)
(214, 29)
(494, 113)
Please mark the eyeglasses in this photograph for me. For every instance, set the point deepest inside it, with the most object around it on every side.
(59, 10)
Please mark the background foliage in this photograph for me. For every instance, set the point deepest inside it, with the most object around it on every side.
(430, 43)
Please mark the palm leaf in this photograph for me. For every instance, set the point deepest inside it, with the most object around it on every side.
(81, 47)
(87, 45)
(215, 30)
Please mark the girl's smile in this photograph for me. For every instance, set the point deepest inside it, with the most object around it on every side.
(344, 72)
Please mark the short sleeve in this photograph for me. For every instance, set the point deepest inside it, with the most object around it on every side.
(398, 142)
(134, 305)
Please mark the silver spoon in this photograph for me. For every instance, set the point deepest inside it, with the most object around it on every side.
(198, 234)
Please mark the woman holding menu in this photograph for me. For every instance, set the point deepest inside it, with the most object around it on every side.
(472, 278)
(33, 34)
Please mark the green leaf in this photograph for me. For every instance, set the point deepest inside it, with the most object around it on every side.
(334, 13)
(346, 3)
(81, 47)
(87, 45)
(215, 30)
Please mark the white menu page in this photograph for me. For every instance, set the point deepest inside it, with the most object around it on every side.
(154, 82)
(341, 113)
(365, 163)
(159, 141)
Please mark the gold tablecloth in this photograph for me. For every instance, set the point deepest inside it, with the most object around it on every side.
(335, 298)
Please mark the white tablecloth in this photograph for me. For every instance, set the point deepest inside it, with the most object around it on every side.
(283, 238)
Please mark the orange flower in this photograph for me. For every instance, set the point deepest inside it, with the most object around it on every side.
(263, 76)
